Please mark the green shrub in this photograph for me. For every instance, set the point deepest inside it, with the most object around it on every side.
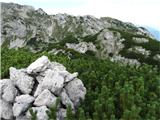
(113, 91)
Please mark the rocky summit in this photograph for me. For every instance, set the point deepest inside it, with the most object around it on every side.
(105, 37)
(38, 87)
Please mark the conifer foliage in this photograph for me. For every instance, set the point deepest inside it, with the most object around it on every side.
(114, 92)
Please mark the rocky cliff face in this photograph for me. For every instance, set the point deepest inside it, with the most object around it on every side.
(38, 87)
(23, 26)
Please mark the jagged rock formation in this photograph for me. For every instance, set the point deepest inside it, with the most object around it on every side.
(23, 26)
(37, 87)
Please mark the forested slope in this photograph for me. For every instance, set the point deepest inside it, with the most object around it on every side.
(113, 91)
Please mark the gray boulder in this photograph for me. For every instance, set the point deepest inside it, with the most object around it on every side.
(53, 82)
(40, 65)
(76, 91)
(8, 91)
(22, 80)
(22, 104)
(46, 98)
(6, 110)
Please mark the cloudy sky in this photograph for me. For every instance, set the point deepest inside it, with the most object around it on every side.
(140, 12)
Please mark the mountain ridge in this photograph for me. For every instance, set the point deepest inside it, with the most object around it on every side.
(118, 63)
(106, 37)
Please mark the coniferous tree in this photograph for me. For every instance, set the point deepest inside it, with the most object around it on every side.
(81, 114)
(33, 114)
(53, 110)
(70, 115)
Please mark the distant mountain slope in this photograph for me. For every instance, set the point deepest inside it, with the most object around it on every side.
(23, 26)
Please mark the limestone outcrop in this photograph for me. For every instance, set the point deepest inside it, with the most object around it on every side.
(38, 87)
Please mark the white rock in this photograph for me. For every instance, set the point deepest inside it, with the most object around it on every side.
(38, 90)
(76, 91)
(23, 117)
(46, 98)
(19, 108)
(66, 100)
(140, 50)
(39, 78)
(17, 43)
(56, 65)
(82, 47)
(40, 65)
(23, 81)
(53, 82)
(41, 75)
(8, 91)
(140, 40)
(71, 77)
(41, 112)
(110, 43)
(22, 104)
(125, 61)
(47, 81)
(6, 110)
(14, 74)
(157, 57)
(61, 114)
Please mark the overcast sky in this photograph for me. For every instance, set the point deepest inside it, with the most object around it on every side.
(140, 12)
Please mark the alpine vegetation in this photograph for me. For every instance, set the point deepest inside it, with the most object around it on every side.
(103, 69)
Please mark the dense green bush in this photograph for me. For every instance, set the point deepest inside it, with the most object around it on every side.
(114, 92)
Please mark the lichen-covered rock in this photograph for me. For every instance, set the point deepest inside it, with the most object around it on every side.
(8, 91)
(22, 80)
(40, 65)
(21, 104)
(46, 98)
(6, 110)
(76, 91)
